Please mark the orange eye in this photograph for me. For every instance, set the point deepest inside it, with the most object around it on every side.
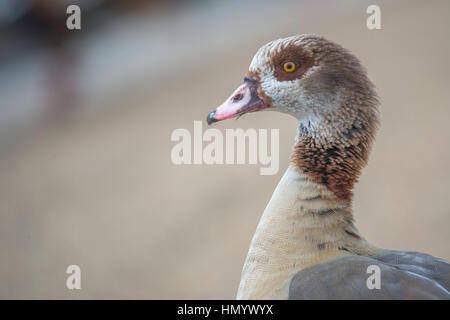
(289, 66)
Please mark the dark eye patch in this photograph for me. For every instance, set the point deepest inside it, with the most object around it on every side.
(297, 55)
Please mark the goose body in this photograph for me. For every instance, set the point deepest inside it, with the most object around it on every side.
(306, 245)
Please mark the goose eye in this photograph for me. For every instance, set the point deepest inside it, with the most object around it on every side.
(289, 66)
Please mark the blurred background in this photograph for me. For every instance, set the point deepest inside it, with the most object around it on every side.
(86, 116)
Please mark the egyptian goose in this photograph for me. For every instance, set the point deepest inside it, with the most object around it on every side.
(306, 245)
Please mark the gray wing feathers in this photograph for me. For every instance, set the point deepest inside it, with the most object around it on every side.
(420, 263)
(404, 275)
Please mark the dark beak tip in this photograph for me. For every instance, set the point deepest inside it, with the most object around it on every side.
(211, 118)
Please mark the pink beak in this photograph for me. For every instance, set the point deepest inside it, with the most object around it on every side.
(244, 99)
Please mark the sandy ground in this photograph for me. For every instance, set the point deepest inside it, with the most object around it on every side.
(101, 192)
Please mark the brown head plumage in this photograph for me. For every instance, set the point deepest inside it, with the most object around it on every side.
(325, 87)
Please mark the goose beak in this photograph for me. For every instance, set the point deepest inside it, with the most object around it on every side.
(244, 99)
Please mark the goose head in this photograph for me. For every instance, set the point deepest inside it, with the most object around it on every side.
(326, 88)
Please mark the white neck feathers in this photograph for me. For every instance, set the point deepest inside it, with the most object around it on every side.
(304, 224)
